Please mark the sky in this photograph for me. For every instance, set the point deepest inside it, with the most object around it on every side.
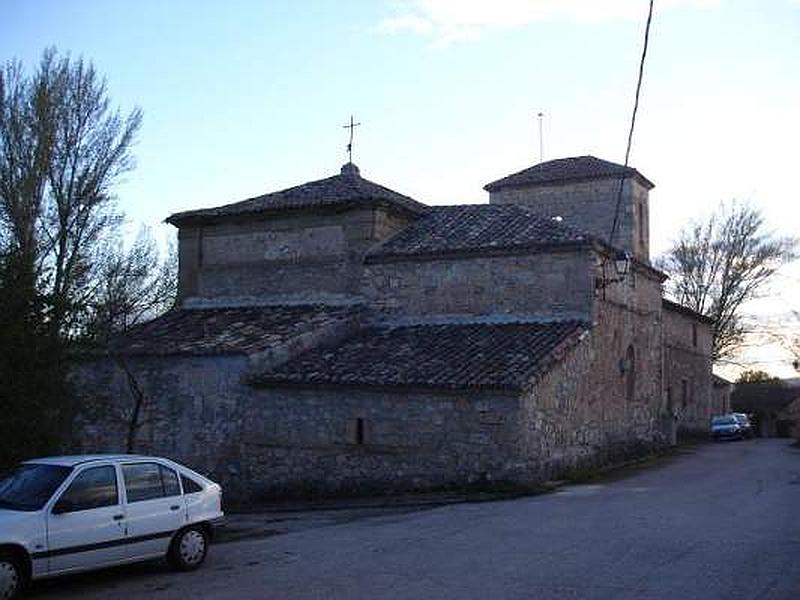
(244, 97)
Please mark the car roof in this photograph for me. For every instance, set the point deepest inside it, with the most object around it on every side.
(79, 459)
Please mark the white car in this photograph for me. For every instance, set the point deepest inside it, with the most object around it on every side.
(74, 513)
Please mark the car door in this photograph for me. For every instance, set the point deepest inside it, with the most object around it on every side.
(154, 507)
(86, 523)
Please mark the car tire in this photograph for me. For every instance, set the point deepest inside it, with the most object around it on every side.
(188, 549)
(13, 576)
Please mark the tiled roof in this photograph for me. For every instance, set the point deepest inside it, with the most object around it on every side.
(563, 170)
(718, 381)
(347, 188)
(477, 227)
(224, 330)
(686, 311)
(453, 356)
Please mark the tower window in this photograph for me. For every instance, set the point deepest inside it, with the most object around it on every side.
(642, 219)
(694, 335)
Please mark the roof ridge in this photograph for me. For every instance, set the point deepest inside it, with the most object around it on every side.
(460, 228)
(340, 189)
(470, 320)
(566, 170)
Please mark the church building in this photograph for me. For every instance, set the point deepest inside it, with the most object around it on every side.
(339, 337)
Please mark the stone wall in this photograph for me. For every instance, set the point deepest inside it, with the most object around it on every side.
(721, 398)
(791, 416)
(687, 366)
(301, 441)
(618, 408)
(263, 443)
(560, 429)
(192, 410)
(278, 441)
(547, 284)
(303, 254)
(601, 403)
(590, 205)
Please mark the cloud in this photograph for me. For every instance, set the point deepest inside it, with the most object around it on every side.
(449, 21)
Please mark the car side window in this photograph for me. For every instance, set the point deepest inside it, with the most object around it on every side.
(190, 486)
(92, 488)
(170, 479)
(146, 481)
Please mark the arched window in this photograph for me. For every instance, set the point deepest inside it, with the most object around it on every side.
(630, 373)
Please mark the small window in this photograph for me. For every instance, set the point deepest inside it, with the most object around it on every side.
(630, 374)
(694, 335)
(359, 432)
(684, 392)
(147, 481)
(93, 488)
(190, 486)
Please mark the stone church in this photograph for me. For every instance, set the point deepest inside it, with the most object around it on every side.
(341, 337)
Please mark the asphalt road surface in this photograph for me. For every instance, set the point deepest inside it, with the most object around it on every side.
(721, 521)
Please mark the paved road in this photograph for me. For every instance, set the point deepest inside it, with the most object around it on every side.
(720, 522)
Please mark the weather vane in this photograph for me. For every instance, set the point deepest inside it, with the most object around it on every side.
(351, 126)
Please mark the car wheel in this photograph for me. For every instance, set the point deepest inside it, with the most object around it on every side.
(188, 549)
(12, 577)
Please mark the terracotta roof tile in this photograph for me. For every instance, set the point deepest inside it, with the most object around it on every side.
(476, 227)
(493, 355)
(347, 188)
(563, 170)
(224, 330)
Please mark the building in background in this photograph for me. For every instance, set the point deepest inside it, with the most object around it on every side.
(721, 390)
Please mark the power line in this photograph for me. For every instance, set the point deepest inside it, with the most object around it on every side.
(633, 123)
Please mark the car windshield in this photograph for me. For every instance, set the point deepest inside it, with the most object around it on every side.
(29, 486)
(723, 421)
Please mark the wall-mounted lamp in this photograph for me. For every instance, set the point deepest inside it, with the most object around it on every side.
(622, 265)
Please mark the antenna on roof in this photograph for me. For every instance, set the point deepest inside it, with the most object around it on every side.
(541, 137)
(351, 126)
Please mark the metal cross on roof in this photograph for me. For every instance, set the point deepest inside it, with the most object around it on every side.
(351, 126)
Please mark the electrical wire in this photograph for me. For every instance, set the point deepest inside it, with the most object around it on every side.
(633, 123)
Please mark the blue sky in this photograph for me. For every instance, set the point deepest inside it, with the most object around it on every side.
(242, 98)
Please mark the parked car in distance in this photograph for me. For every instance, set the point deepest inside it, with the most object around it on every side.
(726, 427)
(744, 423)
(75, 513)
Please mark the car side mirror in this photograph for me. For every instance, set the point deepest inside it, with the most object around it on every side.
(63, 506)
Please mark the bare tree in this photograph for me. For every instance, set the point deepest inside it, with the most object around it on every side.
(62, 151)
(756, 376)
(133, 285)
(130, 286)
(717, 266)
(788, 337)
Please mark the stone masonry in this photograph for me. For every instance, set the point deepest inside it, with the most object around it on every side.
(341, 338)
(688, 377)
